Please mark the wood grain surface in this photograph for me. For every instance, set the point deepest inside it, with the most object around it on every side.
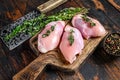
(99, 66)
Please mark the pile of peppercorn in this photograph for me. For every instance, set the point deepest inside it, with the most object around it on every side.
(112, 44)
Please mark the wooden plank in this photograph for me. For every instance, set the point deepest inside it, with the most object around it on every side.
(95, 68)
(18, 60)
(50, 74)
(71, 76)
(110, 64)
(115, 4)
(8, 12)
(27, 5)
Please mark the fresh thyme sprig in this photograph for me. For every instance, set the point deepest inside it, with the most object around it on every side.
(86, 19)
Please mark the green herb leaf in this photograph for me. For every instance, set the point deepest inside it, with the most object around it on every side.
(71, 37)
(48, 32)
(86, 19)
(71, 31)
(44, 35)
(52, 28)
(92, 24)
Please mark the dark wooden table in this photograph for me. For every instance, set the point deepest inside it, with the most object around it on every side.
(99, 66)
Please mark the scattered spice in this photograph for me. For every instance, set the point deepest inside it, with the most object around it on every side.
(112, 44)
(86, 19)
(48, 32)
(71, 37)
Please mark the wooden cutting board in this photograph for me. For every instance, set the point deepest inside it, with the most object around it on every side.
(55, 58)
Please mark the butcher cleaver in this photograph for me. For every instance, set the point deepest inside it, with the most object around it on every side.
(19, 39)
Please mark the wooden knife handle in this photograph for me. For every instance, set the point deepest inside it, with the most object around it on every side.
(35, 68)
(51, 4)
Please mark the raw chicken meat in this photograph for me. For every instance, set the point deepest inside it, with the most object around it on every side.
(49, 38)
(86, 28)
(72, 43)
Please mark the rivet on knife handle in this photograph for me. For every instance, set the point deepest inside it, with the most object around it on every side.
(51, 4)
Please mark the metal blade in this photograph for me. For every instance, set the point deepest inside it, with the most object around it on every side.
(20, 38)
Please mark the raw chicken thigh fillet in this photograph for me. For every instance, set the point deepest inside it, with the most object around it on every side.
(86, 29)
(50, 42)
(70, 51)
